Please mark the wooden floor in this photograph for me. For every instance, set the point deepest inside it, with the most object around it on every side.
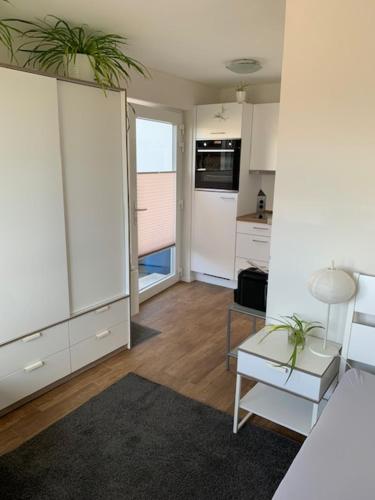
(188, 356)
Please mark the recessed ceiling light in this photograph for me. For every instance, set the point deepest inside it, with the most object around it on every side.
(244, 66)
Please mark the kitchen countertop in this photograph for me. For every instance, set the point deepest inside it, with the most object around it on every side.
(255, 218)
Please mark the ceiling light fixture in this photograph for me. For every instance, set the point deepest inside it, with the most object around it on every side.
(244, 66)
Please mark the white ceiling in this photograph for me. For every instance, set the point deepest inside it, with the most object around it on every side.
(190, 39)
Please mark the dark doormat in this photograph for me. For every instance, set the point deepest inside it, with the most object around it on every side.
(140, 333)
(140, 440)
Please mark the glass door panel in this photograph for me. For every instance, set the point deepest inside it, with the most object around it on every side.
(156, 201)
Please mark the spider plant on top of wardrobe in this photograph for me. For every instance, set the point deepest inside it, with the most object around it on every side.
(6, 30)
(54, 43)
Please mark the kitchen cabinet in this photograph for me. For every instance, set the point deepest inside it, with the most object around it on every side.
(219, 121)
(264, 137)
(214, 233)
(253, 241)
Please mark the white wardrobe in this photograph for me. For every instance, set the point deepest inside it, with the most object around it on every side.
(64, 291)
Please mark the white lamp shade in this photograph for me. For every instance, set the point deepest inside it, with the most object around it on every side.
(332, 286)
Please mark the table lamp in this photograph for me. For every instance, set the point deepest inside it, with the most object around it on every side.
(331, 286)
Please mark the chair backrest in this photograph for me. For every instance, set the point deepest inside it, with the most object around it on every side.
(359, 337)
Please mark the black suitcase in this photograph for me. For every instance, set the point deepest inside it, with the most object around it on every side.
(252, 289)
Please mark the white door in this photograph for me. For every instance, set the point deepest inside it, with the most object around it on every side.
(93, 148)
(214, 233)
(155, 200)
(33, 268)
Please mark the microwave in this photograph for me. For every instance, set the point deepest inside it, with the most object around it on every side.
(217, 164)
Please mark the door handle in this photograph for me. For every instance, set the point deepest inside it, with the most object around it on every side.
(103, 334)
(201, 169)
(34, 336)
(34, 366)
(141, 209)
(282, 369)
(103, 309)
(260, 241)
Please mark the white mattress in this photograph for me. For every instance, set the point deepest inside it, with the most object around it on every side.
(337, 460)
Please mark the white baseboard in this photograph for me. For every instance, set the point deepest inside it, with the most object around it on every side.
(213, 280)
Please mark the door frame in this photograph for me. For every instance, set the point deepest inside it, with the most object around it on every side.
(176, 118)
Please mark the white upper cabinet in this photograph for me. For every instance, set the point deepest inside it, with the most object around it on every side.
(93, 151)
(219, 121)
(214, 233)
(264, 137)
(33, 265)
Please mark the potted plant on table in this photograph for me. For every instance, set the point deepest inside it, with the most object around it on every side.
(297, 330)
(79, 52)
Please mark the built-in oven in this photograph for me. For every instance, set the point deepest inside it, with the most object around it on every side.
(217, 164)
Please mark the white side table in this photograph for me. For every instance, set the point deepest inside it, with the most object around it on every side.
(296, 403)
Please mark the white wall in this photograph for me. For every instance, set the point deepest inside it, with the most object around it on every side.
(256, 94)
(325, 185)
(171, 91)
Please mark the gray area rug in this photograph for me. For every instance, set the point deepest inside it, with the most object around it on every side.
(140, 333)
(140, 440)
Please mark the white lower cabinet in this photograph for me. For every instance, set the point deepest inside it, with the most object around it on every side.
(35, 375)
(253, 247)
(16, 355)
(253, 242)
(98, 345)
(33, 362)
(102, 318)
(214, 233)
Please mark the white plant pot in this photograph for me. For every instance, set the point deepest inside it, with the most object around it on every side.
(241, 96)
(80, 68)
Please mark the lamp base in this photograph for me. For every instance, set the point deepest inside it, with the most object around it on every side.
(330, 351)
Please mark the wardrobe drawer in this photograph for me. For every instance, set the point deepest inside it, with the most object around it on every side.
(254, 228)
(253, 247)
(98, 345)
(105, 317)
(33, 377)
(266, 371)
(16, 355)
(242, 264)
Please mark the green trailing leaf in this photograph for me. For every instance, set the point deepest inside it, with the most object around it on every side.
(297, 330)
(6, 34)
(53, 43)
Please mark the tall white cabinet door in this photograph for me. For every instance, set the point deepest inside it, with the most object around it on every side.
(92, 137)
(214, 233)
(264, 136)
(33, 267)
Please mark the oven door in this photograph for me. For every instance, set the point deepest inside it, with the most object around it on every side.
(217, 168)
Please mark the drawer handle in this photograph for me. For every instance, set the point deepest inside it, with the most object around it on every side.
(260, 228)
(282, 369)
(34, 336)
(260, 241)
(103, 309)
(34, 366)
(103, 334)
